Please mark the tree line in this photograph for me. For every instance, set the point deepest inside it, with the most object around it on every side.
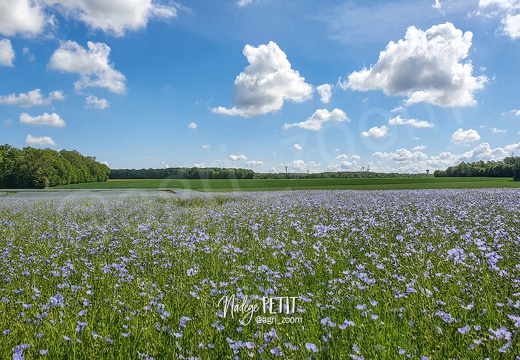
(232, 173)
(508, 167)
(182, 173)
(337, 175)
(31, 168)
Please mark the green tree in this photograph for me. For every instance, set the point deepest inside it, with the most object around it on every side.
(516, 170)
(41, 168)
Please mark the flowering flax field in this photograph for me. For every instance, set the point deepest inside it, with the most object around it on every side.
(427, 274)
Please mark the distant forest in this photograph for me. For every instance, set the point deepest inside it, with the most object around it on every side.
(224, 173)
(182, 173)
(32, 168)
(509, 167)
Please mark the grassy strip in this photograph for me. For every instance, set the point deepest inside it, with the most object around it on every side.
(302, 184)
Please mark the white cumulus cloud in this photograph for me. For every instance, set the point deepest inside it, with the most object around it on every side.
(302, 166)
(40, 141)
(512, 26)
(192, 125)
(514, 112)
(91, 64)
(425, 66)
(242, 3)
(297, 147)
(376, 132)
(114, 16)
(6, 52)
(237, 157)
(199, 165)
(325, 92)
(93, 102)
(266, 83)
(481, 152)
(45, 119)
(31, 98)
(25, 17)
(509, 13)
(254, 163)
(499, 4)
(418, 161)
(316, 121)
(465, 137)
(401, 155)
(397, 109)
(344, 165)
(512, 147)
(412, 122)
(438, 6)
(342, 157)
(27, 52)
(498, 131)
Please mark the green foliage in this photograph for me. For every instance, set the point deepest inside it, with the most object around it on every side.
(480, 168)
(182, 173)
(32, 168)
(339, 175)
(516, 170)
(223, 173)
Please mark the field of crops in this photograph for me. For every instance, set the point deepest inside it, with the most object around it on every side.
(305, 274)
(304, 184)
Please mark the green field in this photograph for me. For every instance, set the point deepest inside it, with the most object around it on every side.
(302, 184)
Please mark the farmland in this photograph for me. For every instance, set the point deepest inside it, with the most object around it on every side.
(302, 184)
(359, 274)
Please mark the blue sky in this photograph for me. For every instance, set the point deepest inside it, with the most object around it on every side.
(316, 86)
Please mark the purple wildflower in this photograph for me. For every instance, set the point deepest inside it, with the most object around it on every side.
(516, 319)
(218, 326)
(464, 330)
(57, 300)
(311, 347)
(501, 333)
(346, 324)
(183, 321)
(276, 351)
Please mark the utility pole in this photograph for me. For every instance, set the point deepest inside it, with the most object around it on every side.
(286, 173)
